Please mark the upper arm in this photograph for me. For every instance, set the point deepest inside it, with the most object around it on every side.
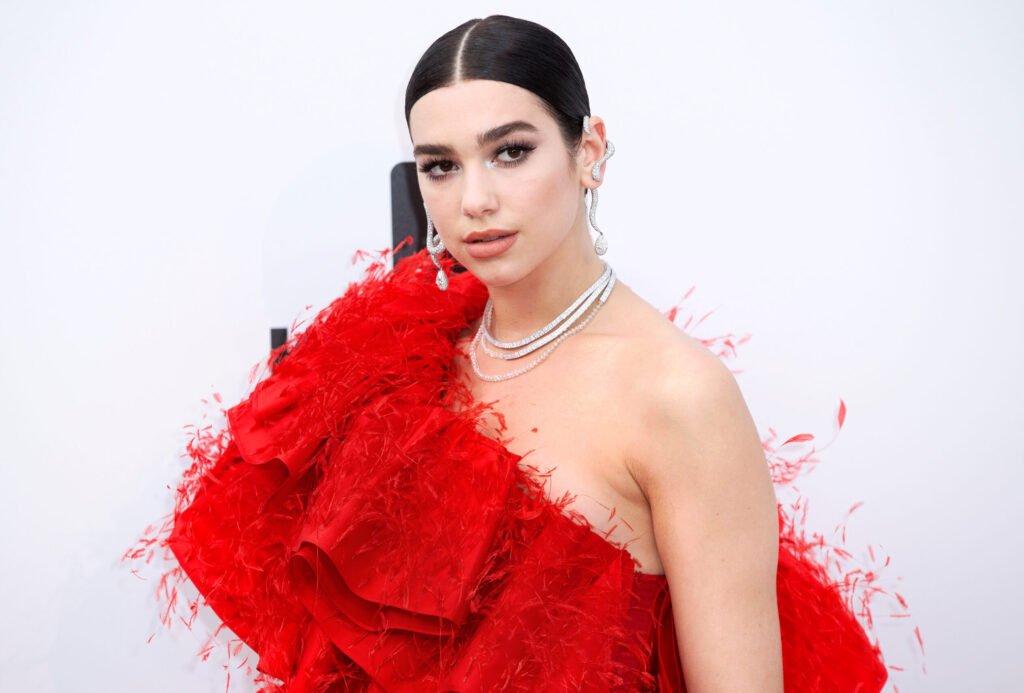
(715, 520)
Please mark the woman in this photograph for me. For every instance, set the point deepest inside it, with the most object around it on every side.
(517, 477)
(629, 413)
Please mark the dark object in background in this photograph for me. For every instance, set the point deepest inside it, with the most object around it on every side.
(408, 218)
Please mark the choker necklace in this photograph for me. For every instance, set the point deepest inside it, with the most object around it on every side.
(551, 334)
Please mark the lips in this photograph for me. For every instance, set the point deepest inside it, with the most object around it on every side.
(487, 235)
(478, 247)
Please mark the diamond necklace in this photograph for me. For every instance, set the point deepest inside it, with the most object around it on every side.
(599, 290)
(548, 332)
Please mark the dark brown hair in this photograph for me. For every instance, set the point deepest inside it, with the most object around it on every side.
(516, 51)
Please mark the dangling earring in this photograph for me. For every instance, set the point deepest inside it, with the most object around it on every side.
(600, 245)
(435, 246)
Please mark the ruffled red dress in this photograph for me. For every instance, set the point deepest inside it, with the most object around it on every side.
(359, 535)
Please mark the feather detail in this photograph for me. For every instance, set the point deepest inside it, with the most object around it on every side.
(358, 534)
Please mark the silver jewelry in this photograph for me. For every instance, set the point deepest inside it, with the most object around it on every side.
(435, 246)
(603, 286)
(551, 330)
(600, 245)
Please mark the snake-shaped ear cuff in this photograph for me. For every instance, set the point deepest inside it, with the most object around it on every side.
(600, 245)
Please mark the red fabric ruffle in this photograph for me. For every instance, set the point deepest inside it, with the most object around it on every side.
(360, 536)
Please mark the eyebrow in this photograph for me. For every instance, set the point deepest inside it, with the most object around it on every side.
(482, 140)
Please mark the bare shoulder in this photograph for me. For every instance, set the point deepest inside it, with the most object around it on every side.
(684, 401)
(668, 368)
(694, 452)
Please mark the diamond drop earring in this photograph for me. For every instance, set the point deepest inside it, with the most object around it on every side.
(600, 245)
(435, 246)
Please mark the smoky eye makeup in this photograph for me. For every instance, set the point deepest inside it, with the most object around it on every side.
(521, 147)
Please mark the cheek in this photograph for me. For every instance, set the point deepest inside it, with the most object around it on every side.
(548, 203)
(540, 194)
(442, 204)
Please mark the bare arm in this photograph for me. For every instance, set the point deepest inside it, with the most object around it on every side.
(701, 465)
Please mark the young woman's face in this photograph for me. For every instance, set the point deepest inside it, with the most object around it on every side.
(489, 158)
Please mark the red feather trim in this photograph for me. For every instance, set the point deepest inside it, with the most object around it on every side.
(358, 535)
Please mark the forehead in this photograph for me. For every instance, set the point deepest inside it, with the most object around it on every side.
(455, 115)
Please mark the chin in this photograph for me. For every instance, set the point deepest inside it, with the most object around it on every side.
(493, 275)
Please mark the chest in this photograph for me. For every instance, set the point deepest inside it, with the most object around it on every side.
(570, 420)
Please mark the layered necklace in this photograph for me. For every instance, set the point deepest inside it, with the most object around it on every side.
(551, 335)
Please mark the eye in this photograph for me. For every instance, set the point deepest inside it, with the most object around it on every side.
(430, 165)
(522, 149)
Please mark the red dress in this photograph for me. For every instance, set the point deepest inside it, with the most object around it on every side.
(359, 535)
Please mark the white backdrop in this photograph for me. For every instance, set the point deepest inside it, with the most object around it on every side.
(840, 180)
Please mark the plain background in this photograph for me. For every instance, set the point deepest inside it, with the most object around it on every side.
(842, 181)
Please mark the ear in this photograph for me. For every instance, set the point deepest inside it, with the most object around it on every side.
(591, 151)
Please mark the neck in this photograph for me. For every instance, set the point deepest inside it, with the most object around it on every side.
(523, 308)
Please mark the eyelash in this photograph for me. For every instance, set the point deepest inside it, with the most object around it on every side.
(515, 145)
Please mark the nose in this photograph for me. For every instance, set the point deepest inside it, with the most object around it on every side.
(478, 195)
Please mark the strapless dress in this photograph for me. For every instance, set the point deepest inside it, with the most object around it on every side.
(358, 535)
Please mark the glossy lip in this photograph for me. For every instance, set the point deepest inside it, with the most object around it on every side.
(485, 233)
